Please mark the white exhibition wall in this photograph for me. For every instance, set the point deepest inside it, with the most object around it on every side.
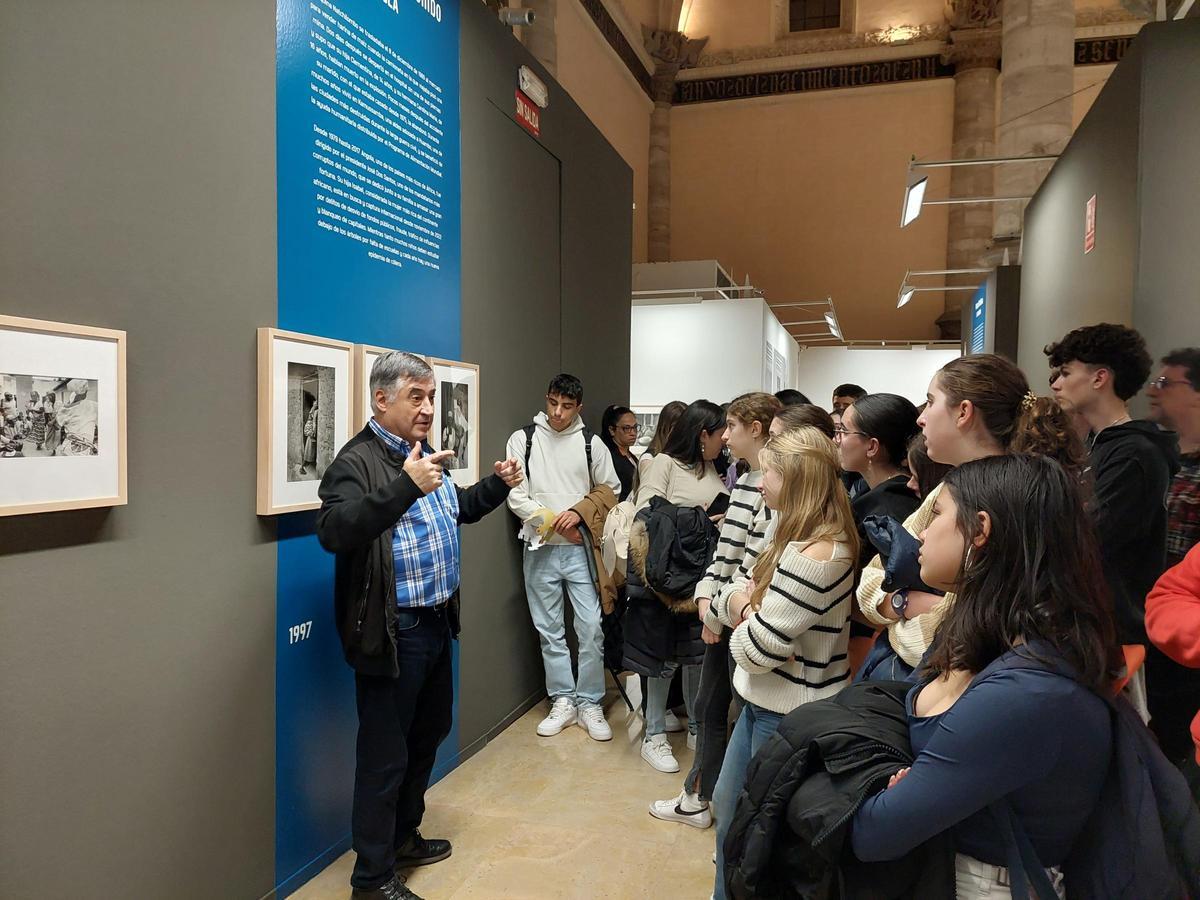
(903, 372)
(713, 350)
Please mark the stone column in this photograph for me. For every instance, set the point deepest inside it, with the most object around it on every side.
(671, 51)
(975, 54)
(659, 175)
(541, 38)
(1035, 102)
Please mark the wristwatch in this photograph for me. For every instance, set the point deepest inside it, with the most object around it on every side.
(900, 603)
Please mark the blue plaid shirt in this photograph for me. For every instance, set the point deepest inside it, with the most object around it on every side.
(425, 540)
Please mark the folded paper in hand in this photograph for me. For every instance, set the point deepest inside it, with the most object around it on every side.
(531, 533)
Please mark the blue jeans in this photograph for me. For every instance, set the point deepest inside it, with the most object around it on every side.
(657, 690)
(548, 570)
(753, 729)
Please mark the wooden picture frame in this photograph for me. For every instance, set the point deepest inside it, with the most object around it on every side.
(77, 373)
(457, 386)
(299, 377)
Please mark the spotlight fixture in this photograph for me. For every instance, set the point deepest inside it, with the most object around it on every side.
(828, 318)
(914, 196)
(516, 16)
(914, 191)
(907, 290)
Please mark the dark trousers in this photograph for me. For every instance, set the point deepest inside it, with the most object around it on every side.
(1173, 695)
(401, 722)
(712, 717)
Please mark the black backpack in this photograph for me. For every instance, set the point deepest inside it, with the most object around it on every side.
(588, 434)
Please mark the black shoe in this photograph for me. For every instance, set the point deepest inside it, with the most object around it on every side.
(417, 851)
(393, 890)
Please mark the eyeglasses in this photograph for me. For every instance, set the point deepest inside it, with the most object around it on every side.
(839, 432)
(1163, 381)
(629, 429)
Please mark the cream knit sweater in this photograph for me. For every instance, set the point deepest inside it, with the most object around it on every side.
(793, 649)
(909, 638)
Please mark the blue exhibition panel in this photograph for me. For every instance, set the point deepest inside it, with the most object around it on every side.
(367, 137)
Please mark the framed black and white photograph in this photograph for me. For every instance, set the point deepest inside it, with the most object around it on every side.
(311, 405)
(62, 416)
(305, 400)
(456, 417)
(647, 420)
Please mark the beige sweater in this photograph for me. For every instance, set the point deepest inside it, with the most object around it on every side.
(794, 648)
(910, 638)
(666, 478)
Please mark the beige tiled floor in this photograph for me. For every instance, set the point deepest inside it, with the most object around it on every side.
(561, 817)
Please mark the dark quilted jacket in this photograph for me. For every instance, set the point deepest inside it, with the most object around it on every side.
(789, 833)
(670, 548)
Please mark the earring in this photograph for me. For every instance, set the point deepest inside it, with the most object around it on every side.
(967, 558)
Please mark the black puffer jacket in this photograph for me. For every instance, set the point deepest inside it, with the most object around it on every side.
(670, 548)
(788, 837)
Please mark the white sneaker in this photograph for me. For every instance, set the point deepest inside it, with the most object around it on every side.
(591, 719)
(686, 808)
(691, 741)
(674, 726)
(657, 751)
(562, 714)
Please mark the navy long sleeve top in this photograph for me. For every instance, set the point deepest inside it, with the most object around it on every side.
(1041, 740)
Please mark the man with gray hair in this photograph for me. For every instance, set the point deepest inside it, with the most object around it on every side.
(390, 514)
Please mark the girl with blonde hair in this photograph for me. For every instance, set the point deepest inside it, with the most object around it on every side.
(791, 619)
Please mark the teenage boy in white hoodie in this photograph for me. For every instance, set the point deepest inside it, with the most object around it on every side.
(557, 477)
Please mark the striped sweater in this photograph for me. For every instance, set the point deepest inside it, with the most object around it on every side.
(793, 649)
(743, 533)
(910, 638)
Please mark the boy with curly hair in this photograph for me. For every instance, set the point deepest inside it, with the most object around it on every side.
(1100, 369)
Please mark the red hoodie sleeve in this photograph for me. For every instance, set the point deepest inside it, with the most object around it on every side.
(1173, 611)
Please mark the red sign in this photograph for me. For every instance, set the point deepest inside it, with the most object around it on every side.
(1089, 225)
(528, 114)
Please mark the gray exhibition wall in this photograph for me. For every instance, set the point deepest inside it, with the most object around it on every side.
(1166, 304)
(137, 643)
(546, 262)
(1135, 151)
(1061, 286)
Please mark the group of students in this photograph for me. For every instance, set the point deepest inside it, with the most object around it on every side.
(993, 549)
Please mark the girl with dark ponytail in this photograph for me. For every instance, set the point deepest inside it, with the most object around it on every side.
(872, 441)
(977, 406)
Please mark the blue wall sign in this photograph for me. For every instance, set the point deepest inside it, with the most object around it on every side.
(979, 319)
(367, 98)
